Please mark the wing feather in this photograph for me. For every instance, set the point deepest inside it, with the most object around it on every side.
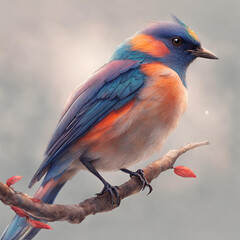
(113, 86)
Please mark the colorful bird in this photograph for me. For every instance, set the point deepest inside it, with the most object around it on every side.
(121, 115)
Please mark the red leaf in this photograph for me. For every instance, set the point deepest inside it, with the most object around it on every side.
(36, 200)
(37, 224)
(184, 172)
(19, 211)
(13, 180)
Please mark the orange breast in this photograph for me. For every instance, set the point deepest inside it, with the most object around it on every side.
(165, 87)
(143, 124)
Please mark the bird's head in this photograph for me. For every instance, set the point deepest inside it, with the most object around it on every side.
(173, 44)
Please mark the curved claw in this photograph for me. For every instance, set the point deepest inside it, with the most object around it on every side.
(140, 174)
(144, 181)
(112, 190)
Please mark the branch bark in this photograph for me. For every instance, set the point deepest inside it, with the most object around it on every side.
(78, 212)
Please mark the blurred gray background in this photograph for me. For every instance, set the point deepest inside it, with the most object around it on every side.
(47, 47)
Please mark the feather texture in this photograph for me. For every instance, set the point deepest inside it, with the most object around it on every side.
(113, 86)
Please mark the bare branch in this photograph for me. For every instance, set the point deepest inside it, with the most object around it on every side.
(77, 213)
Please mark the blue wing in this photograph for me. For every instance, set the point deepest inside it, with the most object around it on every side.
(113, 86)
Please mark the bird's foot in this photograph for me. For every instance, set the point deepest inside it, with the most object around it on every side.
(113, 191)
(140, 174)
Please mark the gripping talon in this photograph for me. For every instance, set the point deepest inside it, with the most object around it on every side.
(144, 181)
(112, 190)
(140, 174)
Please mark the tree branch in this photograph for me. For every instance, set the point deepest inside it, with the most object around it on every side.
(77, 213)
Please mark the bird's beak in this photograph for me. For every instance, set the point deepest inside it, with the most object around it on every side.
(204, 53)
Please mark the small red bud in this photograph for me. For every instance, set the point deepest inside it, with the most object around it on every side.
(19, 211)
(36, 200)
(184, 172)
(13, 180)
(37, 224)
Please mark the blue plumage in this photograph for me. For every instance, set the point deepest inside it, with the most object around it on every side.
(114, 90)
(155, 49)
(178, 59)
(15, 229)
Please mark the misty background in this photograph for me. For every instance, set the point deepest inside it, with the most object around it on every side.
(47, 47)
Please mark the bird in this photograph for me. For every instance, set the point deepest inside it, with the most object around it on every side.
(121, 115)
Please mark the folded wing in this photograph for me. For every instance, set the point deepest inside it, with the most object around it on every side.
(112, 87)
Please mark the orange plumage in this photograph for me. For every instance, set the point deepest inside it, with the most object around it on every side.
(150, 45)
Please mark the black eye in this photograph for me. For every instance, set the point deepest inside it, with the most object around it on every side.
(177, 41)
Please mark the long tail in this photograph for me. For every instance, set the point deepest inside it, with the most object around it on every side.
(19, 227)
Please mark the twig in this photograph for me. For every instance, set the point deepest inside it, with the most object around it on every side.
(77, 213)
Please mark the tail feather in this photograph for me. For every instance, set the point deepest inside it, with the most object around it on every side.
(16, 229)
(19, 227)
